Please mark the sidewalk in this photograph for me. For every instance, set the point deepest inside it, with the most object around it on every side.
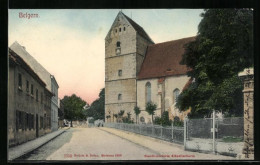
(20, 150)
(163, 147)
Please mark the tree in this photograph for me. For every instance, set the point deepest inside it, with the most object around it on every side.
(222, 48)
(150, 108)
(115, 115)
(137, 112)
(121, 114)
(97, 108)
(73, 107)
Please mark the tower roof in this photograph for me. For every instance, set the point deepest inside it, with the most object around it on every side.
(138, 28)
(163, 59)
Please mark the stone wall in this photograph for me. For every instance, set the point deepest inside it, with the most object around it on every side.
(126, 63)
(127, 58)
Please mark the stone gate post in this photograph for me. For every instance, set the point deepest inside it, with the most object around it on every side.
(247, 77)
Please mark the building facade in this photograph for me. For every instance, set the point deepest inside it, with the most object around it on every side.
(54, 104)
(49, 80)
(138, 71)
(28, 102)
(125, 46)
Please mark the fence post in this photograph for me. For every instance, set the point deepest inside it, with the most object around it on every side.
(172, 130)
(214, 131)
(185, 132)
(161, 130)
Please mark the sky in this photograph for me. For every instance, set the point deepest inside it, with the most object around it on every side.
(70, 43)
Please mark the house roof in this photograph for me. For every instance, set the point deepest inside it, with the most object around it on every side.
(163, 59)
(33, 63)
(16, 59)
(138, 28)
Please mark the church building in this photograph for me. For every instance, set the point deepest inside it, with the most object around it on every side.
(138, 71)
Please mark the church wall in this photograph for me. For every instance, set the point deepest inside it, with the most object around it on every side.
(125, 63)
(125, 87)
(141, 46)
(127, 39)
(115, 108)
(141, 98)
(171, 83)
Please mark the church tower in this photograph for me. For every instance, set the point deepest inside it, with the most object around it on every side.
(125, 48)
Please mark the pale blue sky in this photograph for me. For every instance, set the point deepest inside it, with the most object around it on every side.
(70, 43)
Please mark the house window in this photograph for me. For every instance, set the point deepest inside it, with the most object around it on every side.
(148, 92)
(20, 81)
(119, 72)
(41, 98)
(27, 86)
(119, 97)
(37, 95)
(31, 89)
(27, 121)
(176, 94)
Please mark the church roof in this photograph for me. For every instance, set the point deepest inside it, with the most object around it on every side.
(138, 28)
(163, 59)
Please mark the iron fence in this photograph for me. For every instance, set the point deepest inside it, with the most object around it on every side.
(217, 135)
(167, 133)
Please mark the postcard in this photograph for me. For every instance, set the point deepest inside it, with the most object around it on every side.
(130, 84)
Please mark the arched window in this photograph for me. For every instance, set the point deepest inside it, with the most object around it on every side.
(148, 92)
(176, 94)
(119, 97)
(118, 44)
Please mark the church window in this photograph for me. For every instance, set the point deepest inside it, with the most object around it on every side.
(118, 44)
(176, 94)
(148, 92)
(119, 72)
(124, 28)
(119, 97)
(116, 30)
(119, 29)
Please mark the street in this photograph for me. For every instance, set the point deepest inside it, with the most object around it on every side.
(111, 144)
(89, 144)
